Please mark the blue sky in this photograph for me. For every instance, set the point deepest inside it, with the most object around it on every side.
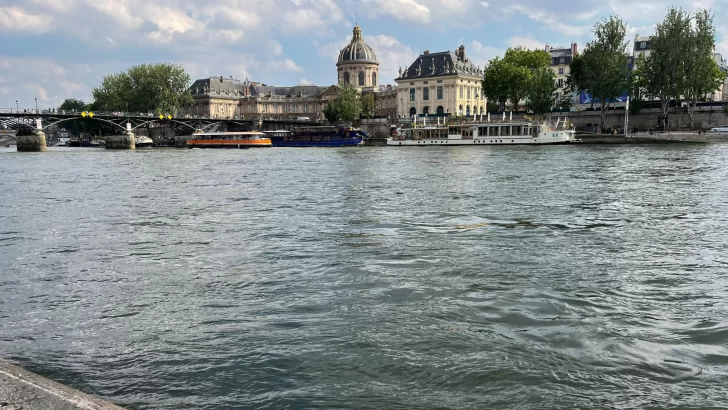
(57, 49)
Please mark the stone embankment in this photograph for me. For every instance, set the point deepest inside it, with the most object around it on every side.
(21, 389)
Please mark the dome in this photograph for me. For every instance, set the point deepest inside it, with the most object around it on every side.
(357, 50)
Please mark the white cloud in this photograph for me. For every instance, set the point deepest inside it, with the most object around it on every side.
(527, 42)
(17, 19)
(305, 81)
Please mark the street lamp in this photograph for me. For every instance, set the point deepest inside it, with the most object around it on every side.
(36, 105)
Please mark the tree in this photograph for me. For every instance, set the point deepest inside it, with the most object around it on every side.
(368, 104)
(542, 92)
(347, 103)
(702, 74)
(159, 88)
(331, 112)
(662, 73)
(602, 69)
(72, 104)
(509, 78)
(495, 82)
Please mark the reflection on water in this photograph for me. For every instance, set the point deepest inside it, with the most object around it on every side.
(501, 277)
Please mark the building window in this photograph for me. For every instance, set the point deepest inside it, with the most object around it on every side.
(440, 110)
(561, 70)
(461, 91)
(426, 93)
(413, 111)
(561, 83)
(361, 78)
(426, 110)
(561, 60)
(643, 45)
(346, 78)
(412, 94)
(374, 79)
(439, 92)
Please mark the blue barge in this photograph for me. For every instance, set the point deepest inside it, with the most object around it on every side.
(325, 136)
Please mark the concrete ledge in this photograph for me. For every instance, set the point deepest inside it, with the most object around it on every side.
(21, 389)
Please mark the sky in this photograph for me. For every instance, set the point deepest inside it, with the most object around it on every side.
(57, 49)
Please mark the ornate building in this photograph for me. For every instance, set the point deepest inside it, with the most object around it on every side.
(358, 64)
(221, 97)
(441, 83)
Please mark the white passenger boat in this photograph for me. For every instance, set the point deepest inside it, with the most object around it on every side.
(143, 141)
(504, 133)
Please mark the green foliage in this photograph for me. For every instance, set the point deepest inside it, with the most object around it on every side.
(542, 92)
(510, 78)
(491, 107)
(331, 112)
(347, 103)
(367, 104)
(71, 104)
(159, 88)
(602, 68)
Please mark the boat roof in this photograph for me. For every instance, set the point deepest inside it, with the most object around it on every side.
(277, 131)
(230, 133)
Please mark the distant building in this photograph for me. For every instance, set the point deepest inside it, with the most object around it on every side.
(386, 102)
(441, 83)
(561, 57)
(641, 46)
(357, 64)
(220, 97)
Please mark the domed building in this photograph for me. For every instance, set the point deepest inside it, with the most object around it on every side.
(358, 64)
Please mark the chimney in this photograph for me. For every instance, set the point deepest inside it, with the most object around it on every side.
(574, 49)
(461, 53)
(547, 48)
(426, 52)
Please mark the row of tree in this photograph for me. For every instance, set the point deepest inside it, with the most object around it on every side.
(156, 88)
(680, 66)
(348, 105)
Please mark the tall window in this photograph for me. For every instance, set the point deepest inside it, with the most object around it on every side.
(561, 83)
(468, 93)
(346, 78)
(561, 70)
(461, 91)
(439, 92)
(643, 44)
(426, 93)
(374, 79)
(361, 78)
(412, 94)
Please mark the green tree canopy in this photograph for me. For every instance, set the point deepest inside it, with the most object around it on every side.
(347, 103)
(159, 88)
(71, 104)
(367, 104)
(602, 69)
(331, 112)
(510, 78)
(542, 92)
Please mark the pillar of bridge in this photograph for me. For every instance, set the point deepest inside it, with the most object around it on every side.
(35, 142)
(121, 141)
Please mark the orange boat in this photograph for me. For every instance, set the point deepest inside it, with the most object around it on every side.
(245, 139)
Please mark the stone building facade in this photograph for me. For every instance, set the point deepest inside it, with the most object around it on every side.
(357, 64)
(561, 57)
(440, 83)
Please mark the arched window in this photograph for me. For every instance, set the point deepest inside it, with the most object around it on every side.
(440, 110)
(361, 78)
(413, 111)
(374, 79)
(346, 78)
(467, 110)
(460, 110)
(426, 110)
(481, 110)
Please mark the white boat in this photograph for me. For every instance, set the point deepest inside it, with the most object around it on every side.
(63, 141)
(504, 133)
(143, 142)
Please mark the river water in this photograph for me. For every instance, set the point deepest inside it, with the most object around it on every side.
(371, 278)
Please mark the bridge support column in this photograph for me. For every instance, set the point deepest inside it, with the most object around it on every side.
(124, 141)
(32, 143)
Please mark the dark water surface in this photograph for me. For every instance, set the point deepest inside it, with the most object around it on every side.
(371, 278)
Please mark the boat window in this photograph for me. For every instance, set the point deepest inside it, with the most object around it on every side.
(495, 131)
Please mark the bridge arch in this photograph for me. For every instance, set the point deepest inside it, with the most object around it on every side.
(79, 118)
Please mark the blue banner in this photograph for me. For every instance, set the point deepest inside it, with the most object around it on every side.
(586, 98)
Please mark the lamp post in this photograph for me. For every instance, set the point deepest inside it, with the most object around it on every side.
(36, 105)
(16, 106)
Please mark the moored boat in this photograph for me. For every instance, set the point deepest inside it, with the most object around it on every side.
(515, 133)
(326, 136)
(246, 139)
(142, 141)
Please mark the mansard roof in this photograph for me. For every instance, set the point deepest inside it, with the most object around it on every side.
(440, 64)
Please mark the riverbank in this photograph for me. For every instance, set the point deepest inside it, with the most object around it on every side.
(21, 389)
